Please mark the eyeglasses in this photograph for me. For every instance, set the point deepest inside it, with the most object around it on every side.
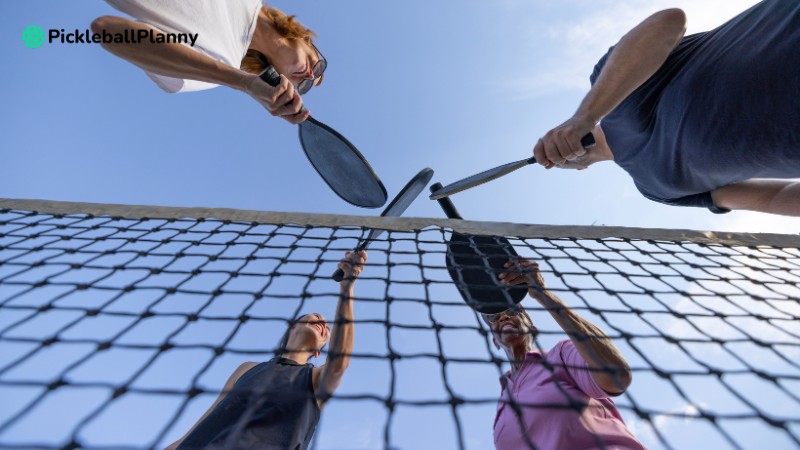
(317, 71)
(490, 319)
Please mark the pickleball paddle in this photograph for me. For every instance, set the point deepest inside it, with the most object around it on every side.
(474, 262)
(492, 174)
(396, 207)
(336, 160)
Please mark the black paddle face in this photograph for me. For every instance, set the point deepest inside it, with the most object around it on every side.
(474, 262)
(396, 208)
(336, 160)
(402, 200)
(341, 165)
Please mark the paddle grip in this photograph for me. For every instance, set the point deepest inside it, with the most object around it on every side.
(447, 206)
(271, 76)
(587, 142)
(338, 276)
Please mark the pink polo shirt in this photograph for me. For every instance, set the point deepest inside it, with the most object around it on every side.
(537, 389)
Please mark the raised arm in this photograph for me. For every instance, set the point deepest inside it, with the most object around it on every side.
(179, 61)
(768, 196)
(329, 376)
(227, 388)
(611, 371)
(637, 56)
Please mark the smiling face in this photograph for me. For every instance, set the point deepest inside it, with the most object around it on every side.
(512, 330)
(310, 333)
(296, 60)
(281, 41)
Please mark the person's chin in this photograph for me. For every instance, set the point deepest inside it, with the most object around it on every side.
(513, 335)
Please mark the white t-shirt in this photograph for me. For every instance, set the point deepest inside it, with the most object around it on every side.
(224, 30)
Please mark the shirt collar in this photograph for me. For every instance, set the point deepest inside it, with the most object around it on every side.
(286, 361)
(535, 355)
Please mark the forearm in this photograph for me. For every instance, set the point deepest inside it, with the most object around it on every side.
(637, 56)
(768, 196)
(168, 59)
(612, 370)
(343, 332)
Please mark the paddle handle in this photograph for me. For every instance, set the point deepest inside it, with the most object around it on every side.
(271, 76)
(587, 142)
(447, 205)
(338, 276)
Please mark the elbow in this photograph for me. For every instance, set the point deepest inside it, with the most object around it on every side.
(111, 25)
(674, 22)
(339, 367)
(625, 378)
(103, 23)
(618, 382)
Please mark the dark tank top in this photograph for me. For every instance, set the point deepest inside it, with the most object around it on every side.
(271, 406)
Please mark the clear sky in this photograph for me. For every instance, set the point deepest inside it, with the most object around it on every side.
(458, 87)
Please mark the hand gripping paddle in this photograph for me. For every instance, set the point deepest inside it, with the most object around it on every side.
(336, 160)
(492, 174)
(467, 259)
(396, 208)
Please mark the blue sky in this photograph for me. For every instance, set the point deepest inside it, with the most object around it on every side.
(412, 84)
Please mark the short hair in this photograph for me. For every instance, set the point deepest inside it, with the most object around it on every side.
(286, 26)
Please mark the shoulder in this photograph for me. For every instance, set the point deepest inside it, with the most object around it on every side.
(241, 370)
(565, 350)
(561, 346)
(244, 367)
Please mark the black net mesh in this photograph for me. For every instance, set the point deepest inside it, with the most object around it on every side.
(119, 332)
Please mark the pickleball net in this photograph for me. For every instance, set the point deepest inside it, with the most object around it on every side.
(119, 325)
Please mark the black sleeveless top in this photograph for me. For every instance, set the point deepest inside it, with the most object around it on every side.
(271, 406)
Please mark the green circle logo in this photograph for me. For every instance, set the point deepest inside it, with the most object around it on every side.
(33, 36)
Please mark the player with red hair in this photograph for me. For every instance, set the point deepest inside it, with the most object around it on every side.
(236, 41)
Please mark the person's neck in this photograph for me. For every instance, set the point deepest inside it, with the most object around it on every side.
(298, 357)
(516, 355)
(266, 38)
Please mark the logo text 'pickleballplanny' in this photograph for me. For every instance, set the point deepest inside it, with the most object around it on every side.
(33, 37)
